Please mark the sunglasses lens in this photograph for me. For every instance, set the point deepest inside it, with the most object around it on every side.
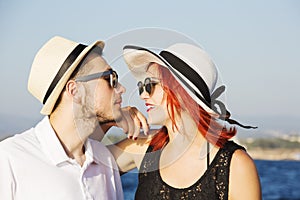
(114, 79)
(148, 88)
(148, 84)
(140, 87)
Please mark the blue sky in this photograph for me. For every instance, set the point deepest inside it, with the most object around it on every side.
(255, 45)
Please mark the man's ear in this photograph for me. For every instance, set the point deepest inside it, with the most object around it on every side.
(72, 90)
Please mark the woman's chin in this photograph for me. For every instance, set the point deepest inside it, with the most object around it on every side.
(157, 116)
(152, 121)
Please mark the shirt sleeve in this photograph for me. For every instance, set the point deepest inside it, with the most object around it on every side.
(7, 180)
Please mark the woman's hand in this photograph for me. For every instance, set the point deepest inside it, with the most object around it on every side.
(132, 121)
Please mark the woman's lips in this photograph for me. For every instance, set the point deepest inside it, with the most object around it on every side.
(149, 106)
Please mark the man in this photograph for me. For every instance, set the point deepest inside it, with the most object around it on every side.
(82, 98)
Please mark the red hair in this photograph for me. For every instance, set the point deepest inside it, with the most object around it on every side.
(213, 131)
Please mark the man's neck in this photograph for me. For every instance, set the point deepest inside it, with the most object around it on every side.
(70, 139)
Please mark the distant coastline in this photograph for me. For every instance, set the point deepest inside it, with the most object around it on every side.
(273, 148)
(274, 154)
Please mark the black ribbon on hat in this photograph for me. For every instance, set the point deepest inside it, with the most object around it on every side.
(65, 66)
(210, 100)
(224, 114)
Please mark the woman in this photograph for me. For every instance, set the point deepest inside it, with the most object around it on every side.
(190, 157)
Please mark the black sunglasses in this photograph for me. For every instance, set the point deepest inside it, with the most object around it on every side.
(109, 75)
(149, 84)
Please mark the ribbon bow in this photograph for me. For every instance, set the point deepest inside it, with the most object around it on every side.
(224, 114)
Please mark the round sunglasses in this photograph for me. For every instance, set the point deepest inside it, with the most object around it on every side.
(149, 84)
(109, 75)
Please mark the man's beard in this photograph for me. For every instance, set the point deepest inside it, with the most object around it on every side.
(102, 119)
(106, 121)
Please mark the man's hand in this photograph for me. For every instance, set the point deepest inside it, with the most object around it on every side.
(132, 121)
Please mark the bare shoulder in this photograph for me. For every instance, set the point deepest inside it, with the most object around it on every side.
(242, 162)
(243, 179)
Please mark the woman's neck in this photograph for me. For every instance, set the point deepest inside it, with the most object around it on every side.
(185, 134)
(185, 140)
(185, 126)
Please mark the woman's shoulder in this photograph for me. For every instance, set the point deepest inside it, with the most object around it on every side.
(240, 158)
(243, 177)
(233, 146)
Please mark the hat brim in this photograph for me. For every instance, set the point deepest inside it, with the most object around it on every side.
(138, 60)
(49, 104)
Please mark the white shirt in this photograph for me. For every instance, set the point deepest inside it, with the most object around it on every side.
(34, 166)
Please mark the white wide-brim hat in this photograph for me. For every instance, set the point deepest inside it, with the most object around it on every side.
(190, 65)
(52, 67)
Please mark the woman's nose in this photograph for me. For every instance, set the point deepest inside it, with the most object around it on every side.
(144, 94)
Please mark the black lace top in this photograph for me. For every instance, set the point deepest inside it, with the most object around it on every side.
(213, 184)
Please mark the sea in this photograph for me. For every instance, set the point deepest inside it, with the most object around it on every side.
(280, 180)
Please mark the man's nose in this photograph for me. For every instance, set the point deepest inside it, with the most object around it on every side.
(120, 88)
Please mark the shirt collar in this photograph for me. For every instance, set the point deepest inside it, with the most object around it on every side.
(50, 142)
(54, 149)
(90, 154)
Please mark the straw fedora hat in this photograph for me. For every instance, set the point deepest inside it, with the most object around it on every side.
(190, 65)
(52, 67)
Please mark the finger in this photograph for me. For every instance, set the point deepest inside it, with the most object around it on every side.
(123, 124)
(135, 123)
(130, 124)
(143, 122)
(137, 126)
(139, 121)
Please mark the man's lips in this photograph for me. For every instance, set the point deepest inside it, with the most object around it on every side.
(119, 101)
